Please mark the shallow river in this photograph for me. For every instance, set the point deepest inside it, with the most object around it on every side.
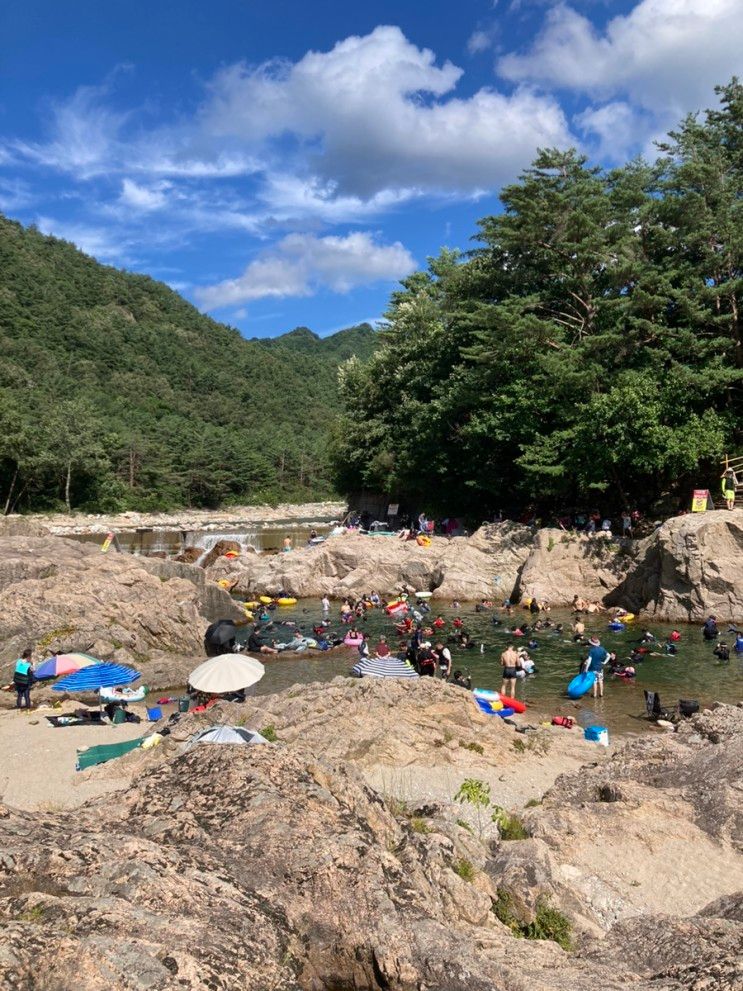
(694, 673)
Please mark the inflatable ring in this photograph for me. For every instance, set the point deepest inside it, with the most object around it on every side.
(248, 612)
(232, 555)
(253, 604)
(224, 583)
(423, 541)
(287, 601)
(266, 600)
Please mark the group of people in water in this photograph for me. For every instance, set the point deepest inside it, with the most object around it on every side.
(426, 639)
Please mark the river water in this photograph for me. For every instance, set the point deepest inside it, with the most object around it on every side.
(694, 673)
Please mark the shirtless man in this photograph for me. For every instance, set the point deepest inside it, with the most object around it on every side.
(510, 663)
(579, 629)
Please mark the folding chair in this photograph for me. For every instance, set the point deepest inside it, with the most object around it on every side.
(655, 709)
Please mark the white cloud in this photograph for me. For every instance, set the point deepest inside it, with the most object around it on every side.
(83, 131)
(615, 130)
(372, 114)
(478, 41)
(336, 137)
(665, 55)
(15, 194)
(300, 264)
(144, 198)
(102, 243)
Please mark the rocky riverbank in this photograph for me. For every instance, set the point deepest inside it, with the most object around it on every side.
(64, 594)
(689, 567)
(280, 866)
(185, 519)
(61, 594)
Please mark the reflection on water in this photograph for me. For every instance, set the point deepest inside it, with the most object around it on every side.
(693, 673)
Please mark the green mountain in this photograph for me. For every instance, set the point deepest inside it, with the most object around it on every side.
(117, 393)
(360, 341)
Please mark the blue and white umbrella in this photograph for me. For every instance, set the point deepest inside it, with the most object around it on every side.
(95, 677)
(384, 667)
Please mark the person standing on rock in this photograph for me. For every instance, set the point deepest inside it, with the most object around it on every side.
(510, 663)
(598, 658)
(729, 483)
(23, 679)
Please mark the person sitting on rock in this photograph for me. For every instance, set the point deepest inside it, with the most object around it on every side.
(382, 649)
(256, 645)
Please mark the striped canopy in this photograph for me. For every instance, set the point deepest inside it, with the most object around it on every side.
(62, 664)
(97, 676)
(384, 667)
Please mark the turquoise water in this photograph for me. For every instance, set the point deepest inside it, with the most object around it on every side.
(694, 673)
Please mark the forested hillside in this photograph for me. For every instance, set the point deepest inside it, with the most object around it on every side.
(116, 393)
(588, 352)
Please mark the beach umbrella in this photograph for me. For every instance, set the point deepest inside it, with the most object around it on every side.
(384, 667)
(226, 673)
(220, 634)
(97, 676)
(62, 664)
(228, 734)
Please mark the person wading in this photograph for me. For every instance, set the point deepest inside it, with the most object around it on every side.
(510, 663)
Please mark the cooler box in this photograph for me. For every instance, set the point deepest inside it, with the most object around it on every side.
(597, 734)
(184, 703)
(154, 714)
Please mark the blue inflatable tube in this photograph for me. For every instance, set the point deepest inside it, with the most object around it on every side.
(581, 684)
(616, 627)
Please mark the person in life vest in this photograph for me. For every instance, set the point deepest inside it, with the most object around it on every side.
(23, 679)
(729, 482)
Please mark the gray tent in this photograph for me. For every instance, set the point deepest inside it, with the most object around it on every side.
(227, 734)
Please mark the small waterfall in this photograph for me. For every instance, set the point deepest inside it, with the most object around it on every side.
(207, 541)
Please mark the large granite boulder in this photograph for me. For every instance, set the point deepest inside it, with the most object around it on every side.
(269, 867)
(63, 594)
(563, 564)
(691, 567)
(485, 564)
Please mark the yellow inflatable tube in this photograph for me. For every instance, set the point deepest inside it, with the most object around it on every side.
(287, 602)
(266, 600)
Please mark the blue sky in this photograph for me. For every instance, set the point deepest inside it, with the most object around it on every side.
(286, 163)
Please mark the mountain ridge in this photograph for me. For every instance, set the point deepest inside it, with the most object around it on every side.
(117, 393)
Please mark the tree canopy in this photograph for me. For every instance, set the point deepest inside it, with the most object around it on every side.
(587, 350)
